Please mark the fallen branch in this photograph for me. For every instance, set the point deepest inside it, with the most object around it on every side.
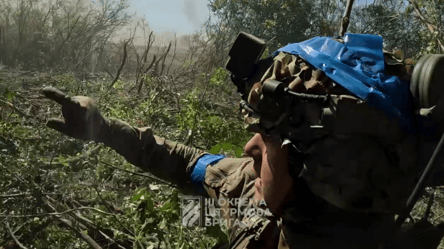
(13, 236)
(56, 213)
(14, 195)
(95, 150)
(36, 230)
(109, 210)
(15, 109)
(79, 233)
(429, 205)
(86, 224)
(29, 97)
(139, 174)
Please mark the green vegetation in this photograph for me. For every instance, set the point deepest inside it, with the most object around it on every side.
(86, 183)
(58, 192)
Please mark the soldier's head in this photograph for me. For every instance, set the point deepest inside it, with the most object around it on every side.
(324, 111)
(271, 166)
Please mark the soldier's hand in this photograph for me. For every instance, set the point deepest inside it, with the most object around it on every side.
(82, 119)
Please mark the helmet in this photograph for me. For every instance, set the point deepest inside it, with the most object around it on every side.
(353, 127)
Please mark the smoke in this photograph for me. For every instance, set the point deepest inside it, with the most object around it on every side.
(190, 11)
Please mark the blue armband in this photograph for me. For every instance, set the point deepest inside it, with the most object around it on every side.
(198, 173)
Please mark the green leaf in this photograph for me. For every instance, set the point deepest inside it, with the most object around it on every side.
(215, 149)
(150, 205)
(138, 195)
(166, 206)
(63, 161)
(227, 146)
(239, 152)
(9, 95)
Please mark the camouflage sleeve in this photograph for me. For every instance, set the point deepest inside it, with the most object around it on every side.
(230, 178)
(168, 160)
(175, 162)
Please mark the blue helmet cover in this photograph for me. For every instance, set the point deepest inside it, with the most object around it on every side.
(358, 65)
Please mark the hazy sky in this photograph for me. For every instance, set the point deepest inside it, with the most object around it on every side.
(181, 16)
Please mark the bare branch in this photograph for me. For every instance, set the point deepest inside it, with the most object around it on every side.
(346, 18)
(138, 174)
(80, 233)
(13, 236)
(432, 27)
(164, 57)
(139, 89)
(119, 71)
(14, 195)
(15, 109)
(174, 54)
(429, 205)
(93, 151)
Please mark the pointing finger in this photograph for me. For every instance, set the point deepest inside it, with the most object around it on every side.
(59, 125)
(54, 94)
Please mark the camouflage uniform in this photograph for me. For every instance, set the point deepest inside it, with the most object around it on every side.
(345, 192)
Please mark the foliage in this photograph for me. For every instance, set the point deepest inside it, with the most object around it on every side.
(35, 34)
(46, 172)
(325, 17)
(430, 14)
(389, 19)
(53, 188)
(276, 21)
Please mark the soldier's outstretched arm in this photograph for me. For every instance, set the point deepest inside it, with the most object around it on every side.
(165, 159)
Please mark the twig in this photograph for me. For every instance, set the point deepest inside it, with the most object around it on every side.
(429, 205)
(111, 239)
(174, 54)
(29, 97)
(346, 18)
(16, 109)
(139, 174)
(20, 195)
(110, 74)
(85, 155)
(122, 65)
(80, 233)
(109, 210)
(13, 236)
(88, 225)
(139, 89)
(14, 195)
(429, 24)
(164, 58)
(56, 213)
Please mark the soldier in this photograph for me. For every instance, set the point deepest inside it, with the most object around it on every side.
(335, 178)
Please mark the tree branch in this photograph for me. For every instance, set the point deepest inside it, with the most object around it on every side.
(122, 64)
(346, 18)
(139, 174)
(13, 236)
(15, 109)
(80, 233)
(430, 26)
